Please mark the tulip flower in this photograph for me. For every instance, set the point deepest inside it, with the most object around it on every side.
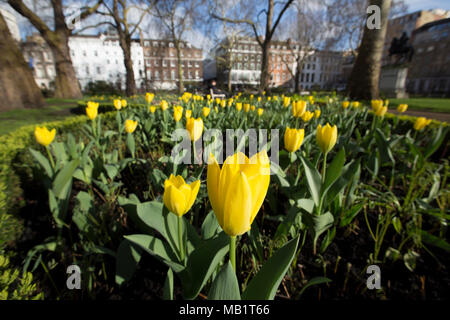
(149, 97)
(124, 103)
(260, 111)
(223, 103)
(92, 111)
(317, 113)
(130, 125)
(177, 113)
(188, 114)
(402, 108)
(206, 111)
(259, 99)
(236, 192)
(381, 111)
(230, 102)
(178, 198)
(293, 139)
(216, 109)
(208, 97)
(355, 104)
(218, 101)
(326, 137)
(421, 123)
(376, 104)
(269, 98)
(307, 116)
(239, 106)
(298, 108)
(44, 136)
(286, 102)
(195, 128)
(345, 104)
(164, 105)
(251, 97)
(117, 104)
(246, 107)
(152, 109)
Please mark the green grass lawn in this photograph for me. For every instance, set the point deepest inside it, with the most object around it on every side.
(428, 104)
(56, 109)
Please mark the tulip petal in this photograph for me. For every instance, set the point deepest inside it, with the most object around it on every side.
(194, 187)
(212, 184)
(174, 200)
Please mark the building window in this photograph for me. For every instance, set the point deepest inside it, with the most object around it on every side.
(147, 62)
(164, 63)
(312, 77)
(149, 74)
(172, 74)
(197, 75)
(157, 75)
(98, 70)
(87, 70)
(84, 53)
(170, 44)
(155, 63)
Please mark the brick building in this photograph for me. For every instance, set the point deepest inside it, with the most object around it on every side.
(161, 69)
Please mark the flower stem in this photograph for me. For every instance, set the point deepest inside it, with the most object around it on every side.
(233, 252)
(324, 168)
(180, 239)
(50, 157)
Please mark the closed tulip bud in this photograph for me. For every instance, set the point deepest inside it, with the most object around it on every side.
(269, 98)
(345, 104)
(216, 109)
(421, 123)
(307, 116)
(164, 105)
(251, 97)
(124, 103)
(263, 93)
(386, 102)
(260, 111)
(177, 113)
(259, 99)
(117, 104)
(253, 108)
(206, 111)
(218, 101)
(246, 107)
(152, 109)
(298, 108)
(293, 139)
(317, 113)
(223, 103)
(91, 112)
(188, 114)
(381, 111)
(286, 102)
(91, 104)
(208, 97)
(178, 195)
(195, 128)
(44, 136)
(230, 102)
(237, 190)
(149, 97)
(130, 125)
(326, 137)
(355, 104)
(239, 106)
(402, 108)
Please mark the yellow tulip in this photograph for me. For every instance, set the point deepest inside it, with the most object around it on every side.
(152, 109)
(421, 123)
(326, 137)
(259, 99)
(91, 104)
(251, 97)
(195, 128)
(355, 104)
(253, 108)
(149, 97)
(298, 108)
(345, 104)
(239, 106)
(269, 98)
(92, 111)
(178, 195)
(275, 98)
(188, 114)
(317, 113)
(206, 111)
(293, 139)
(286, 102)
(124, 103)
(223, 103)
(381, 111)
(216, 109)
(246, 107)
(386, 102)
(164, 105)
(130, 125)
(263, 93)
(230, 102)
(44, 136)
(177, 113)
(402, 108)
(376, 104)
(307, 116)
(260, 111)
(237, 190)
(117, 104)
(218, 101)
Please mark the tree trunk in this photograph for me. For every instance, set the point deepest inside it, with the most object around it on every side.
(229, 87)
(180, 69)
(264, 80)
(125, 44)
(17, 86)
(363, 83)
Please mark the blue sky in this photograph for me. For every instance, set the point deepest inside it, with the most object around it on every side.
(415, 5)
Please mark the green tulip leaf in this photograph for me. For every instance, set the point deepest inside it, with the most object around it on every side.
(436, 142)
(168, 286)
(313, 179)
(334, 170)
(127, 258)
(313, 282)
(63, 179)
(210, 226)
(43, 161)
(266, 282)
(225, 285)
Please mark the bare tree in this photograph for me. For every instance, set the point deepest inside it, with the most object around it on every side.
(364, 78)
(269, 27)
(56, 35)
(17, 86)
(120, 12)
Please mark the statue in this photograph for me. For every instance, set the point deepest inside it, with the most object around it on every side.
(401, 49)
